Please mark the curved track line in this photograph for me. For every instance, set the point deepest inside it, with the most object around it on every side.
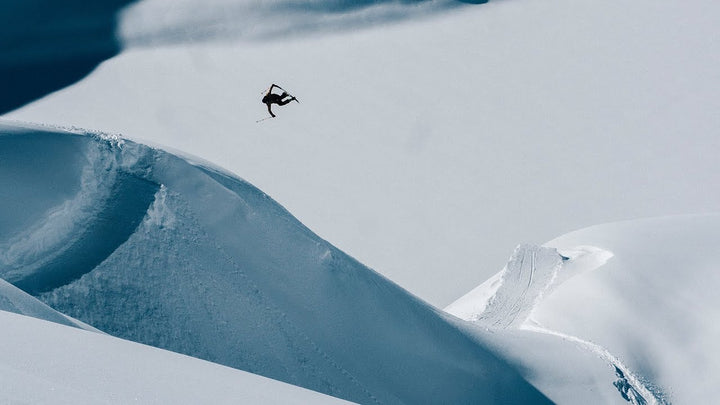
(629, 385)
(531, 273)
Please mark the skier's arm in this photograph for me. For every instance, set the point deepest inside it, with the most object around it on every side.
(269, 90)
(270, 111)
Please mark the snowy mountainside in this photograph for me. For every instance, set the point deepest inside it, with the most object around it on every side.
(505, 303)
(428, 131)
(46, 363)
(654, 304)
(640, 295)
(202, 263)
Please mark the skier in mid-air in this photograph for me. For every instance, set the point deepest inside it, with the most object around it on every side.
(271, 98)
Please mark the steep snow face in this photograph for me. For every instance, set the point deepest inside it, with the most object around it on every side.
(71, 238)
(202, 263)
(45, 363)
(506, 299)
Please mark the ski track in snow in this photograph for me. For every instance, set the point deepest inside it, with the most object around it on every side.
(289, 324)
(532, 273)
(628, 384)
(521, 286)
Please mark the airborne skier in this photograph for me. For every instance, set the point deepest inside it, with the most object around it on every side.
(271, 98)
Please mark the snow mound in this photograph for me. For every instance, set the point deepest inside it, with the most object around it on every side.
(189, 258)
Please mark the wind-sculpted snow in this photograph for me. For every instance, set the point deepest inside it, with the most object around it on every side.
(213, 268)
(80, 233)
(508, 300)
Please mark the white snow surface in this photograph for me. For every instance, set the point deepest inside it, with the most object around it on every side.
(188, 258)
(427, 147)
(639, 295)
(430, 139)
(505, 303)
(509, 297)
(654, 304)
(46, 363)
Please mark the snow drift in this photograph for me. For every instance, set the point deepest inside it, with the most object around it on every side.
(155, 248)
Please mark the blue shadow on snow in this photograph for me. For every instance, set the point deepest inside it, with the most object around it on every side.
(46, 45)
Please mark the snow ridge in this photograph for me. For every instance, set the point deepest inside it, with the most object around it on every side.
(77, 235)
(217, 270)
(531, 274)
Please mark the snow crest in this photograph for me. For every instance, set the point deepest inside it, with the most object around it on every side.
(157, 250)
(532, 273)
(75, 236)
(508, 298)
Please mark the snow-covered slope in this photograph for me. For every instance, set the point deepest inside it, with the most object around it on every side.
(429, 147)
(145, 245)
(654, 304)
(13, 299)
(431, 138)
(641, 295)
(567, 365)
(45, 363)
